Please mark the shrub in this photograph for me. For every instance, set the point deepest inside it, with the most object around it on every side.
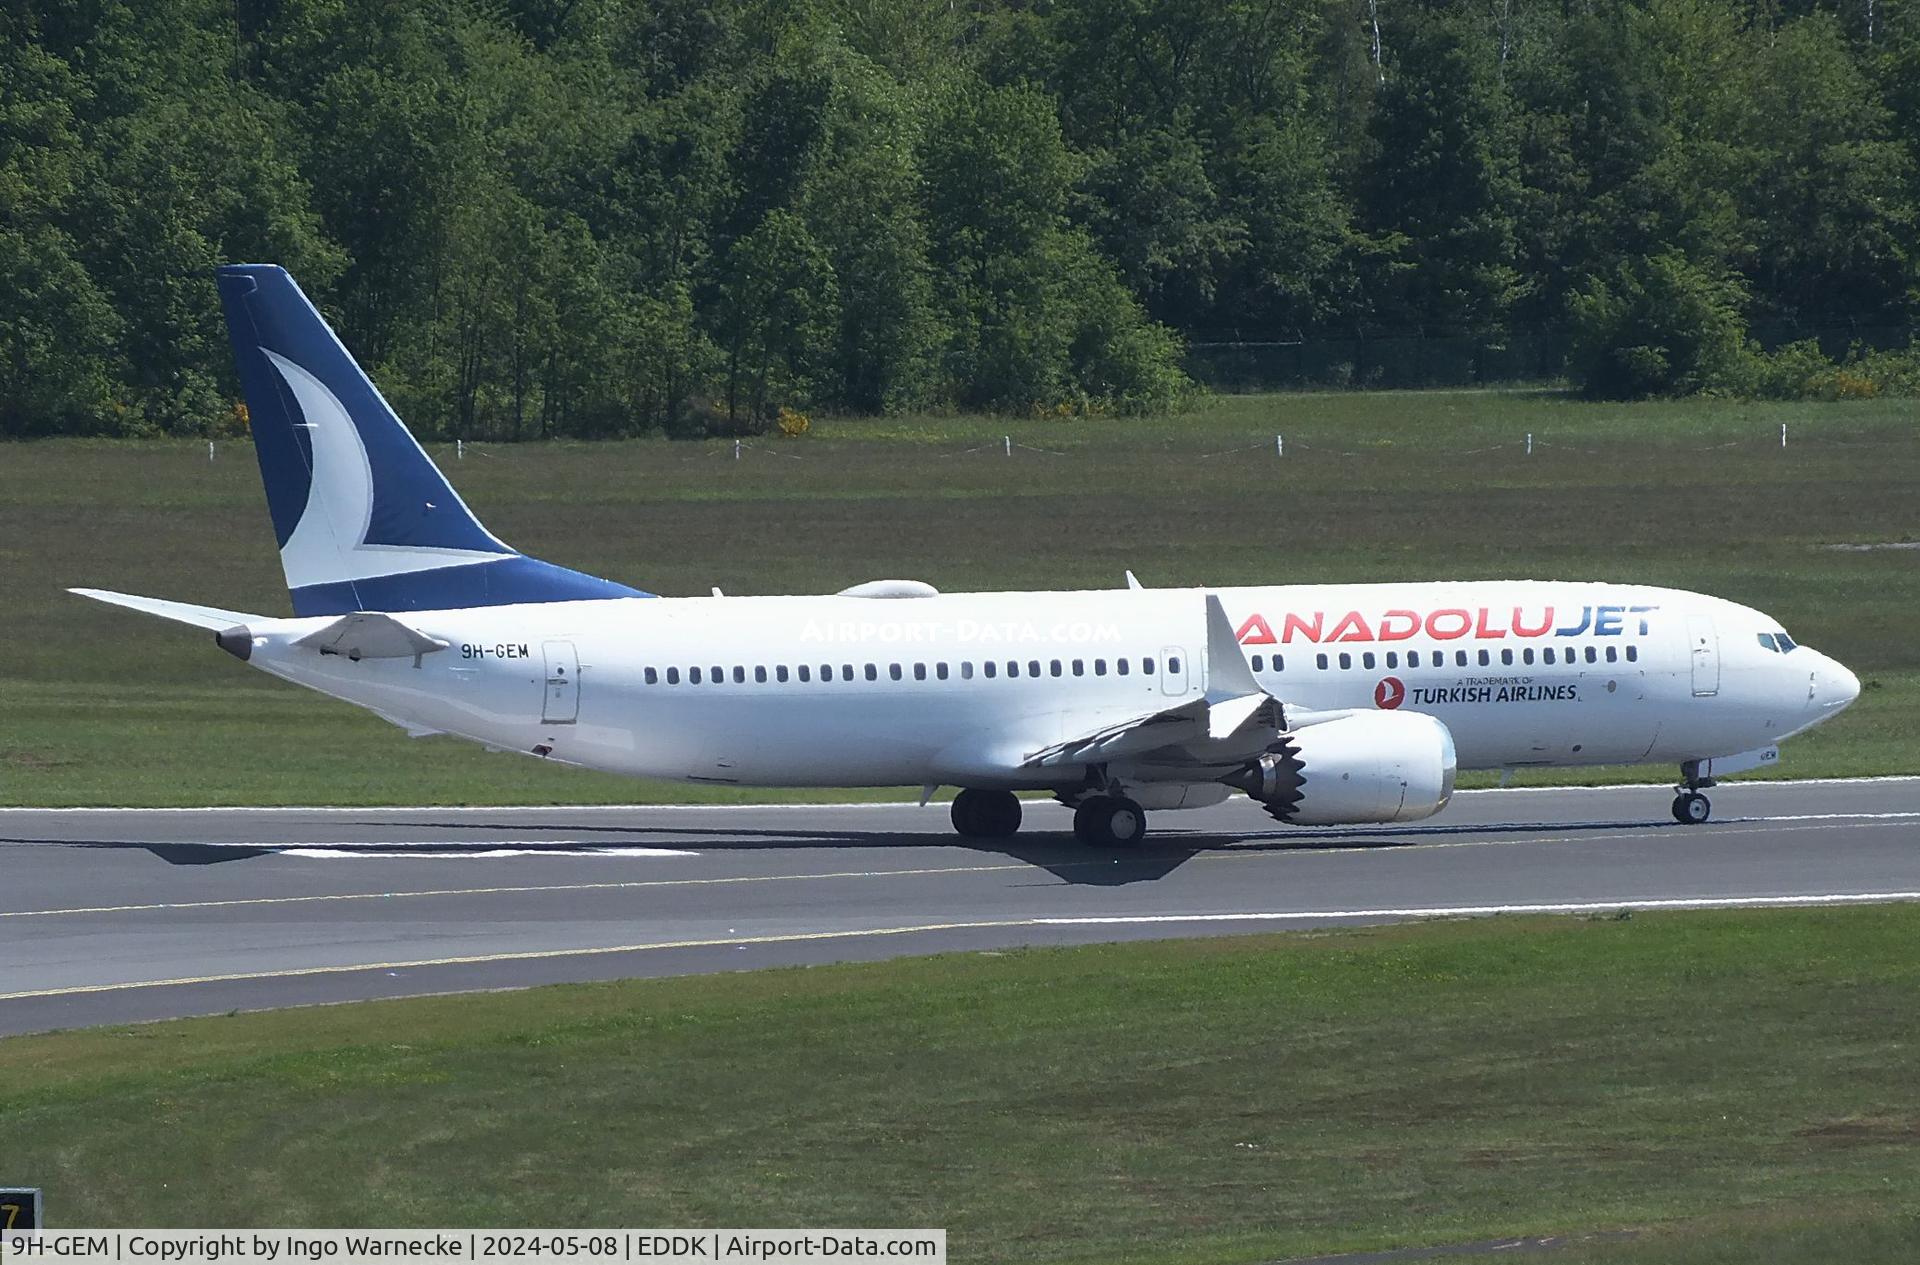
(1660, 325)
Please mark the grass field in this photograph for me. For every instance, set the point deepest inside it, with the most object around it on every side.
(102, 706)
(1734, 1086)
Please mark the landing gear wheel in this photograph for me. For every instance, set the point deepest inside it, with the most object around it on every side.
(1690, 808)
(986, 814)
(1109, 821)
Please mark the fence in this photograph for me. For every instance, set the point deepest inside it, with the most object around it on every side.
(1413, 361)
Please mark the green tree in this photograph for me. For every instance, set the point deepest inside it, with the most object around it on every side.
(1661, 325)
(1443, 173)
(1827, 202)
(779, 304)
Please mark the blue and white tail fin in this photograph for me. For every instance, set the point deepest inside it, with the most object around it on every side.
(365, 520)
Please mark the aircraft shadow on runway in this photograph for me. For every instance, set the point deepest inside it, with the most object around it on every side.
(1058, 853)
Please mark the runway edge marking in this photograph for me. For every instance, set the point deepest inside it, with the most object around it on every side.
(1091, 920)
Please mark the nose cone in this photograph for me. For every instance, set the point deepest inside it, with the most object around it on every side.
(1833, 686)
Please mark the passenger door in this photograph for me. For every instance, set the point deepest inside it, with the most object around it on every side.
(562, 703)
(1706, 655)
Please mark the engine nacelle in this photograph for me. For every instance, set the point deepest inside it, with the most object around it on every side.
(1363, 768)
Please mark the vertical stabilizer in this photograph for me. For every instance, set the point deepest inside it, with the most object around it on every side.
(364, 520)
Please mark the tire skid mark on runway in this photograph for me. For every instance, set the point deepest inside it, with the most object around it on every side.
(797, 937)
(534, 889)
(1228, 852)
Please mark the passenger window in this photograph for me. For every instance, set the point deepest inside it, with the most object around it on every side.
(1485, 658)
(1549, 654)
(1013, 668)
(1320, 661)
(1033, 667)
(1055, 667)
(873, 672)
(1366, 660)
(1079, 667)
(966, 670)
(1393, 659)
(1173, 664)
(760, 676)
(693, 676)
(893, 670)
(653, 677)
(780, 674)
(1099, 667)
(1633, 654)
(920, 672)
(1279, 663)
(846, 671)
(1613, 654)
(739, 676)
(1120, 666)
(719, 677)
(940, 671)
(1506, 658)
(988, 667)
(1346, 661)
(1459, 657)
(1146, 666)
(673, 676)
(1592, 654)
(1526, 656)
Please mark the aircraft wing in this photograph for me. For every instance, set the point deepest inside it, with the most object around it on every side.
(371, 635)
(1235, 719)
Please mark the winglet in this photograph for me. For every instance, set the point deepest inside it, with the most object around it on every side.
(1133, 581)
(1228, 675)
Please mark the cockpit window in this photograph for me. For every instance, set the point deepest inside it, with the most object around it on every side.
(1786, 642)
(1767, 643)
(1778, 642)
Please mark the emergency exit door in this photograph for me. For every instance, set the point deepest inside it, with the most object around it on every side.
(1173, 671)
(562, 706)
(1706, 655)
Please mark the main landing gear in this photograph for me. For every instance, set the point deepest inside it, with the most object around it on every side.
(1109, 821)
(981, 814)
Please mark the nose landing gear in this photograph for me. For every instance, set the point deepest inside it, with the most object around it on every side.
(1690, 808)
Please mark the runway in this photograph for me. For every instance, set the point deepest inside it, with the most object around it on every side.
(110, 916)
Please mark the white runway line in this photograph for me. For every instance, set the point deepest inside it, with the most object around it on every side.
(443, 850)
(1309, 915)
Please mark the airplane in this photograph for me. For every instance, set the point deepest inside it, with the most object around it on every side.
(1327, 704)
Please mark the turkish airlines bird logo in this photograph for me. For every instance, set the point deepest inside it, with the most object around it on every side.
(1390, 693)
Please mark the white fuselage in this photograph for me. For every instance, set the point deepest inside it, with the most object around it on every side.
(960, 688)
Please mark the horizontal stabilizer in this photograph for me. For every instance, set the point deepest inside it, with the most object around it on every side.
(209, 617)
(371, 635)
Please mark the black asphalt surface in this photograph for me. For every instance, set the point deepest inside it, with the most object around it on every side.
(110, 916)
